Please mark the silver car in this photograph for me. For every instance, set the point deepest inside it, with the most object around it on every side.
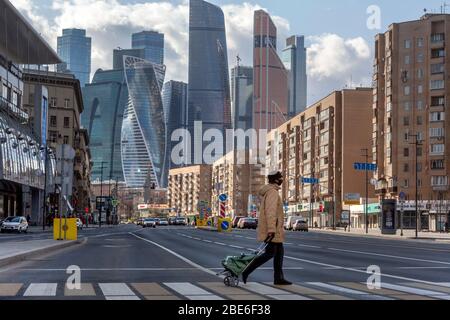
(15, 224)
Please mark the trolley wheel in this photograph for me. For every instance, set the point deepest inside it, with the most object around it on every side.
(227, 281)
(235, 282)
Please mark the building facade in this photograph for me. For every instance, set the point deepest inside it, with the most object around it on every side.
(74, 48)
(270, 91)
(410, 121)
(144, 132)
(64, 125)
(188, 187)
(174, 97)
(242, 97)
(240, 181)
(23, 167)
(294, 59)
(323, 143)
(209, 88)
(152, 43)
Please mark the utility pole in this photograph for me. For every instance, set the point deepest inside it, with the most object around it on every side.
(366, 207)
(417, 143)
(101, 196)
(44, 206)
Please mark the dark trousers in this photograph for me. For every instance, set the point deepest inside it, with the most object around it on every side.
(275, 251)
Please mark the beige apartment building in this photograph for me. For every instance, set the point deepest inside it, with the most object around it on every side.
(65, 105)
(323, 143)
(188, 188)
(411, 90)
(241, 181)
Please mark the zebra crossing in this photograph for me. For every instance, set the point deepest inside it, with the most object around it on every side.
(217, 291)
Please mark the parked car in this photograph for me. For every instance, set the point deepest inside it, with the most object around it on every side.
(1, 222)
(289, 224)
(79, 224)
(248, 223)
(300, 225)
(17, 224)
(157, 220)
(235, 221)
(180, 222)
(163, 222)
(149, 223)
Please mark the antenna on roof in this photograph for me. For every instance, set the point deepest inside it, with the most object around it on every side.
(238, 60)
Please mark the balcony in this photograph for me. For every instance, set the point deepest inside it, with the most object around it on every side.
(14, 111)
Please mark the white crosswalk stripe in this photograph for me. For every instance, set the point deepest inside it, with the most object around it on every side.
(416, 291)
(348, 291)
(117, 291)
(272, 292)
(41, 290)
(192, 292)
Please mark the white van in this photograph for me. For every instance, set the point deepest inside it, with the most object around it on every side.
(290, 222)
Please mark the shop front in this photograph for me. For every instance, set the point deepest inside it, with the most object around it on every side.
(358, 215)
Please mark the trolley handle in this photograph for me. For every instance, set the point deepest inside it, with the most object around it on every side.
(269, 239)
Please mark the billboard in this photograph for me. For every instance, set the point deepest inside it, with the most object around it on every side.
(388, 211)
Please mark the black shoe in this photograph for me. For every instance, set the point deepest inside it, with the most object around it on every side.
(282, 282)
(244, 278)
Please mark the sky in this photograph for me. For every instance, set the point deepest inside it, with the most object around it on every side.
(338, 37)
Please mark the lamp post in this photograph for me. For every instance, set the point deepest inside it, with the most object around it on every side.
(101, 194)
(366, 155)
(417, 144)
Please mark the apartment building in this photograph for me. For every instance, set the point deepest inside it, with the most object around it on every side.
(188, 188)
(410, 121)
(323, 143)
(241, 181)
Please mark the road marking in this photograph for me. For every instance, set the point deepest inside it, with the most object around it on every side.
(86, 290)
(420, 292)
(237, 247)
(360, 271)
(308, 246)
(122, 298)
(198, 239)
(190, 262)
(220, 243)
(111, 269)
(191, 291)
(116, 289)
(208, 241)
(349, 291)
(389, 256)
(272, 292)
(41, 290)
(250, 238)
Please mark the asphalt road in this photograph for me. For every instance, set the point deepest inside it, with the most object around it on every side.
(129, 262)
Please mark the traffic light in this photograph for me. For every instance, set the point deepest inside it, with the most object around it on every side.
(86, 210)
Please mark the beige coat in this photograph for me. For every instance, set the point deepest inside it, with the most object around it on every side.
(271, 216)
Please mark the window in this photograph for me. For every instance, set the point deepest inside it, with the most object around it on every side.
(407, 60)
(437, 148)
(420, 73)
(406, 183)
(437, 84)
(436, 132)
(406, 152)
(419, 120)
(66, 122)
(406, 121)
(53, 121)
(53, 102)
(437, 68)
(407, 106)
(407, 44)
(419, 105)
(437, 116)
(420, 58)
(67, 103)
(437, 165)
(407, 90)
(53, 136)
(420, 42)
(66, 140)
(419, 151)
(439, 181)
(420, 136)
(406, 167)
(420, 89)
(437, 53)
(437, 37)
(437, 101)
(419, 167)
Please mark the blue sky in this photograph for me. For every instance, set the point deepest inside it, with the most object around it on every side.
(340, 46)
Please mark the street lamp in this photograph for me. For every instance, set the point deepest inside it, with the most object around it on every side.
(417, 144)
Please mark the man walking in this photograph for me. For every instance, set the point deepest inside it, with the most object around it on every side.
(271, 228)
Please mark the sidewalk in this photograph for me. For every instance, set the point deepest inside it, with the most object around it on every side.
(16, 251)
(376, 233)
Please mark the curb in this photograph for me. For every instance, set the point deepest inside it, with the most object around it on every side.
(350, 234)
(207, 229)
(38, 252)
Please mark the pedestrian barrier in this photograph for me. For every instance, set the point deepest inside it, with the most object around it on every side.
(224, 225)
(65, 229)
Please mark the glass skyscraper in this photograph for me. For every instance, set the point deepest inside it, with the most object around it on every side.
(153, 44)
(209, 88)
(144, 131)
(294, 58)
(74, 49)
(242, 97)
(104, 104)
(175, 110)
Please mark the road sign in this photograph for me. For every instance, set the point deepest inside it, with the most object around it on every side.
(223, 197)
(365, 167)
(310, 180)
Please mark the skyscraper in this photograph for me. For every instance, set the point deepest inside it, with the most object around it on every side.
(270, 96)
(74, 48)
(209, 88)
(153, 44)
(144, 130)
(175, 110)
(118, 55)
(242, 97)
(294, 58)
